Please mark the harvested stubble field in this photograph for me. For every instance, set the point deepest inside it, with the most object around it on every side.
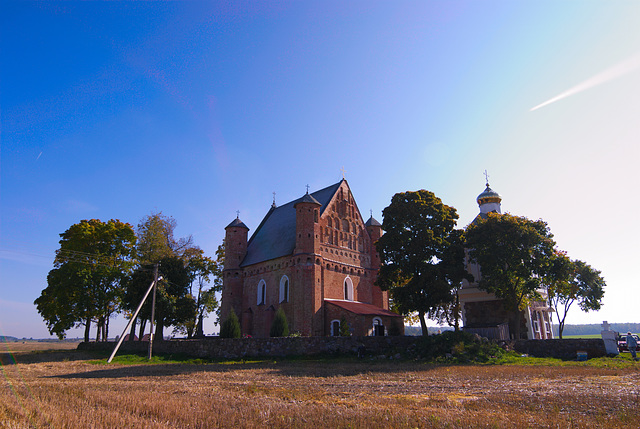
(66, 389)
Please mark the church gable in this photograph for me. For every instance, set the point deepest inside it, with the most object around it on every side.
(341, 222)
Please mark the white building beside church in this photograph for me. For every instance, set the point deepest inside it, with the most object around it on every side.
(483, 312)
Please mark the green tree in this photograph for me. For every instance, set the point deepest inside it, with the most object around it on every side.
(174, 304)
(514, 254)
(230, 328)
(422, 254)
(156, 239)
(569, 281)
(156, 242)
(279, 326)
(85, 285)
(202, 272)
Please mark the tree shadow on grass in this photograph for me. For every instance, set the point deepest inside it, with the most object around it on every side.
(43, 356)
(291, 367)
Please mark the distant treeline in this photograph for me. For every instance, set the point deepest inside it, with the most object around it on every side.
(416, 330)
(593, 329)
(597, 328)
(6, 339)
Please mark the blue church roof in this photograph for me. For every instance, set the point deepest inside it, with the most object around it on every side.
(276, 234)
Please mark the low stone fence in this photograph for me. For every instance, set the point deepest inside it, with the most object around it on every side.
(224, 348)
(561, 349)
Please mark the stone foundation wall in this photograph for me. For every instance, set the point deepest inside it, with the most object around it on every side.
(223, 348)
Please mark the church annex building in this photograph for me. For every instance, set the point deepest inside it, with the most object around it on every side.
(313, 257)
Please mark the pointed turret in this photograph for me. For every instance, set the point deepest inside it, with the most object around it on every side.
(307, 226)
(235, 248)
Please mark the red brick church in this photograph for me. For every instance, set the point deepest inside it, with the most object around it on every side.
(313, 257)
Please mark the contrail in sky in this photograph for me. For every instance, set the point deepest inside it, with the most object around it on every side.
(611, 73)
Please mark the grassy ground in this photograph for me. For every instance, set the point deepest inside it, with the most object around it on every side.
(69, 389)
(584, 336)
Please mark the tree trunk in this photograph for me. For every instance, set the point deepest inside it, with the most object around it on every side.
(98, 329)
(87, 328)
(423, 324)
(106, 329)
(516, 325)
(199, 328)
(159, 332)
(143, 324)
(132, 331)
(456, 315)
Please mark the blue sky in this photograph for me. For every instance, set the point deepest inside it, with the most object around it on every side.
(199, 109)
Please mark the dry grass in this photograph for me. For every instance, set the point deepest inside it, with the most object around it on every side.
(36, 346)
(73, 393)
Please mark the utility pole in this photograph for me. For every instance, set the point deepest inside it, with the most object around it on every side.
(153, 307)
(133, 317)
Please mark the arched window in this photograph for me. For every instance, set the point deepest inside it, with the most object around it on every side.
(378, 327)
(284, 289)
(262, 292)
(329, 222)
(335, 328)
(348, 289)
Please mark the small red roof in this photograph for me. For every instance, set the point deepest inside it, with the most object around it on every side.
(361, 308)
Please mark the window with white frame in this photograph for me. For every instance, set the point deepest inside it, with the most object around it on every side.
(284, 289)
(348, 289)
(547, 325)
(378, 327)
(262, 292)
(335, 328)
(536, 324)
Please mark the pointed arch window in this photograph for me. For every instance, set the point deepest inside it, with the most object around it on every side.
(284, 289)
(348, 289)
(262, 293)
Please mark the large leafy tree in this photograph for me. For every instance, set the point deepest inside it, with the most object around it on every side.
(174, 304)
(85, 284)
(569, 281)
(421, 253)
(514, 254)
(206, 280)
(155, 242)
(156, 239)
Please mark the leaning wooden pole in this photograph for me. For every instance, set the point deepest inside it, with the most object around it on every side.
(153, 308)
(153, 283)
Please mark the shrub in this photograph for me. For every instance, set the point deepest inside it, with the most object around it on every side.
(280, 326)
(458, 347)
(231, 327)
(344, 327)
